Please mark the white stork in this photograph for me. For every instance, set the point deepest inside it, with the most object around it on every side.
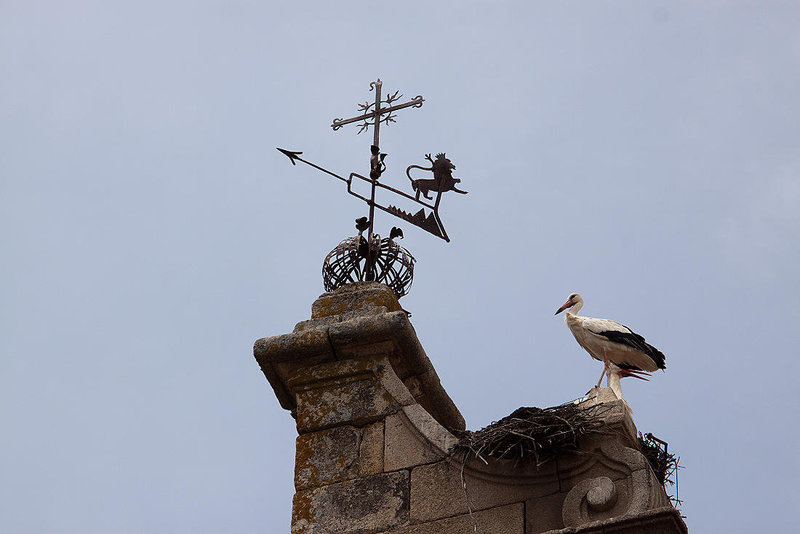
(611, 343)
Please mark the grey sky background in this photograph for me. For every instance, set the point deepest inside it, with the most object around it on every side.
(644, 154)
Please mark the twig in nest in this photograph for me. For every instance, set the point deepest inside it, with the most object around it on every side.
(538, 433)
(665, 465)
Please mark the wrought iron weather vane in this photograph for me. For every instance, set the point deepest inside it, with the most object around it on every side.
(382, 110)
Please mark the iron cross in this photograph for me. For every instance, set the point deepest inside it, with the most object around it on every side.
(373, 115)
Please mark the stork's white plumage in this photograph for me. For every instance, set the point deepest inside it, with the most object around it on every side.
(614, 375)
(611, 343)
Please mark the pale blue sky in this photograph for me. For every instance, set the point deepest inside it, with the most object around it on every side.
(644, 154)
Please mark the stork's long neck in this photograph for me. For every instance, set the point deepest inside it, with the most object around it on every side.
(573, 310)
(614, 382)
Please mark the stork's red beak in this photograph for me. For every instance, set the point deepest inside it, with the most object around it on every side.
(641, 375)
(564, 306)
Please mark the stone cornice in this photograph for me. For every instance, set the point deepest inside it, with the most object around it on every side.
(363, 320)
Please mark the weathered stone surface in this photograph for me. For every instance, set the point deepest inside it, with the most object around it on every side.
(370, 461)
(365, 505)
(429, 428)
(599, 455)
(664, 520)
(594, 499)
(357, 321)
(327, 456)
(355, 297)
(353, 392)
(601, 498)
(338, 318)
(618, 417)
(436, 490)
(414, 438)
(501, 520)
(544, 513)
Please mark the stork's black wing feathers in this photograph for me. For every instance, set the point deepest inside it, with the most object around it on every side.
(632, 339)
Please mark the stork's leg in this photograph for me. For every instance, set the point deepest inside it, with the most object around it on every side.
(605, 369)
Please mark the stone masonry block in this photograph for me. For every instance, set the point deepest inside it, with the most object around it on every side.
(351, 392)
(617, 414)
(327, 456)
(370, 455)
(355, 297)
(544, 513)
(501, 520)
(356, 402)
(414, 438)
(361, 506)
(665, 520)
(338, 454)
(436, 490)
(600, 456)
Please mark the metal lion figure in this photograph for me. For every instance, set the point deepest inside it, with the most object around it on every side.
(442, 180)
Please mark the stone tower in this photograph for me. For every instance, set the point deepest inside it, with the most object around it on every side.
(375, 445)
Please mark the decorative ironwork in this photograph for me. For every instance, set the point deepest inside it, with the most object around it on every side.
(428, 221)
(442, 178)
(373, 111)
(346, 268)
(345, 264)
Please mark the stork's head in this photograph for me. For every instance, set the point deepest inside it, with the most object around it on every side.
(574, 302)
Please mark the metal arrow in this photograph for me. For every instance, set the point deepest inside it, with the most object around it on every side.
(292, 155)
(430, 222)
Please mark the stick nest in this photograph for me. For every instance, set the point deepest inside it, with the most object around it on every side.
(537, 434)
(664, 464)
